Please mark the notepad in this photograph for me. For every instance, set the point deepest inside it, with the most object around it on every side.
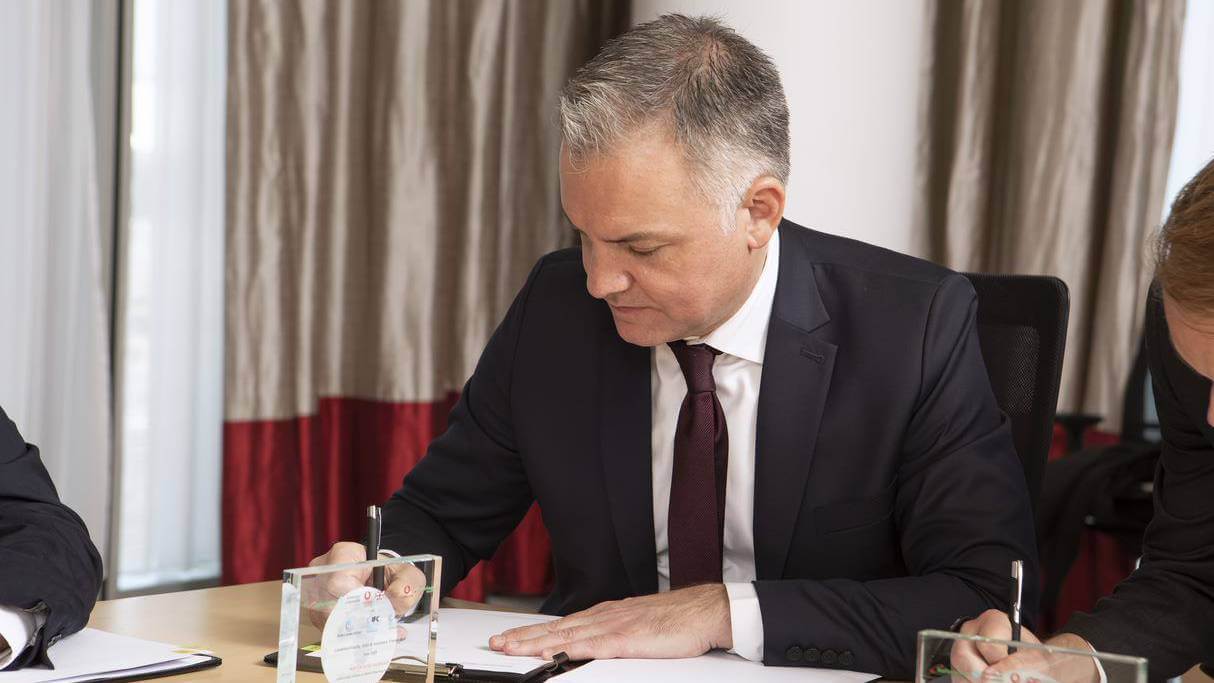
(93, 655)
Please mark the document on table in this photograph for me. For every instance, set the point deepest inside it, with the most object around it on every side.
(463, 638)
(93, 655)
(714, 666)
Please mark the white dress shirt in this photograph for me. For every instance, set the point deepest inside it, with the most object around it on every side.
(16, 627)
(741, 340)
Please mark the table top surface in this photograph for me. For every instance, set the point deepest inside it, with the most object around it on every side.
(237, 623)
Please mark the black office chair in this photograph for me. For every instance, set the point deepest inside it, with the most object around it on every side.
(1022, 323)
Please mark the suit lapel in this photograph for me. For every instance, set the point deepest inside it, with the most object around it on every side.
(797, 368)
(625, 435)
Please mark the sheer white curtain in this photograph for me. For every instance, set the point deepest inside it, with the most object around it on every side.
(1193, 144)
(54, 343)
(171, 319)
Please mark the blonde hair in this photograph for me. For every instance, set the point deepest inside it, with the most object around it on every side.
(1184, 249)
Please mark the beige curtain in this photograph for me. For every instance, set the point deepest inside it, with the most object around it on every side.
(392, 176)
(391, 179)
(1046, 132)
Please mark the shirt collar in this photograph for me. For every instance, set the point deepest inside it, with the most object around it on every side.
(744, 334)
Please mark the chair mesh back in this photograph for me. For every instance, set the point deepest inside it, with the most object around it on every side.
(1022, 331)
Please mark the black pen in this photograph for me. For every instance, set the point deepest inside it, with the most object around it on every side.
(1017, 589)
(374, 529)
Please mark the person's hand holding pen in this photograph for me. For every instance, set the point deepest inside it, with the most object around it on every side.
(988, 661)
(974, 660)
(404, 584)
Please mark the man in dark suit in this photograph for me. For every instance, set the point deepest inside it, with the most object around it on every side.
(50, 572)
(1165, 610)
(743, 434)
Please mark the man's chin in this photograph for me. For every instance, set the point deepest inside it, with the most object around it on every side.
(639, 335)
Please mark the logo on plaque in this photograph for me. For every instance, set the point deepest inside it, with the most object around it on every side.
(359, 638)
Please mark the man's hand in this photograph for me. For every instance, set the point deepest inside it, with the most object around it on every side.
(682, 623)
(992, 662)
(403, 583)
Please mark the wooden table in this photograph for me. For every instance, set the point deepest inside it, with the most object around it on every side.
(238, 623)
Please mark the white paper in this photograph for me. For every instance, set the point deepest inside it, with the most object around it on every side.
(173, 665)
(714, 666)
(463, 638)
(90, 652)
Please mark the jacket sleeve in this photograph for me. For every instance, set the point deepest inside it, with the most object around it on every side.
(1172, 591)
(961, 509)
(470, 489)
(48, 565)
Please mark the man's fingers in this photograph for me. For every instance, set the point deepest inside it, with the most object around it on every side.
(320, 593)
(554, 641)
(970, 658)
(406, 585)
(577, 619)
(342, 552)
(515, 634)
(534, 631)
(1024, 660)
(966, 661)
(598, 647)
(991, 652)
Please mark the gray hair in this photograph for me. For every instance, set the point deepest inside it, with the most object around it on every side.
(718, 94)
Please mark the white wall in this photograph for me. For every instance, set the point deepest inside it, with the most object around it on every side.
(851, 71)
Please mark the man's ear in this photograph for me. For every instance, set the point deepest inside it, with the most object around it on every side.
(764, 207)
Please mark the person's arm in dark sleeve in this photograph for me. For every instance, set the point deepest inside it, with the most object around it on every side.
(49, 567)
(1165, 610)
(962, 511)
(470, 490)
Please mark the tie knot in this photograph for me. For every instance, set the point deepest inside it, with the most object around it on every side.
(695, 360)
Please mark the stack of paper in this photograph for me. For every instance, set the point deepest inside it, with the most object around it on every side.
(463, 638)
(93, 655)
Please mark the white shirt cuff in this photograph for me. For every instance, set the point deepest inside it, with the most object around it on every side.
(16, 627)
(746, 621)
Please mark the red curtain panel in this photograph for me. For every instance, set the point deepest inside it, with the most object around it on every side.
(293, 487)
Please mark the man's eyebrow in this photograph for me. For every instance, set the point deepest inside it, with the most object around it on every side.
(639, 236)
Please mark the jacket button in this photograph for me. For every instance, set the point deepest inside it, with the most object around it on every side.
(829, 657)
(847, 658)
(812, 655)
(793, 654)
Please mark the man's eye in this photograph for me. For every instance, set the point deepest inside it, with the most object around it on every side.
(643, 252)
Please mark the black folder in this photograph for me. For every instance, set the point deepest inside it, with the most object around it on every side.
(398, 671)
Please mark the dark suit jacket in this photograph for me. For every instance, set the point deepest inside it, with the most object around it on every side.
(888, 496)
(1165, 610)
(47, 562)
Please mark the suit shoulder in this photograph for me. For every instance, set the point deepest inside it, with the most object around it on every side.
(836, 251)
(559, 280)
(561, 263)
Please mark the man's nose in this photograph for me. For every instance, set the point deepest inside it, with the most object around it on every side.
(604, 277)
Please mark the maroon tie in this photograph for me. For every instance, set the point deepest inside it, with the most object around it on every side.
(696, 525)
